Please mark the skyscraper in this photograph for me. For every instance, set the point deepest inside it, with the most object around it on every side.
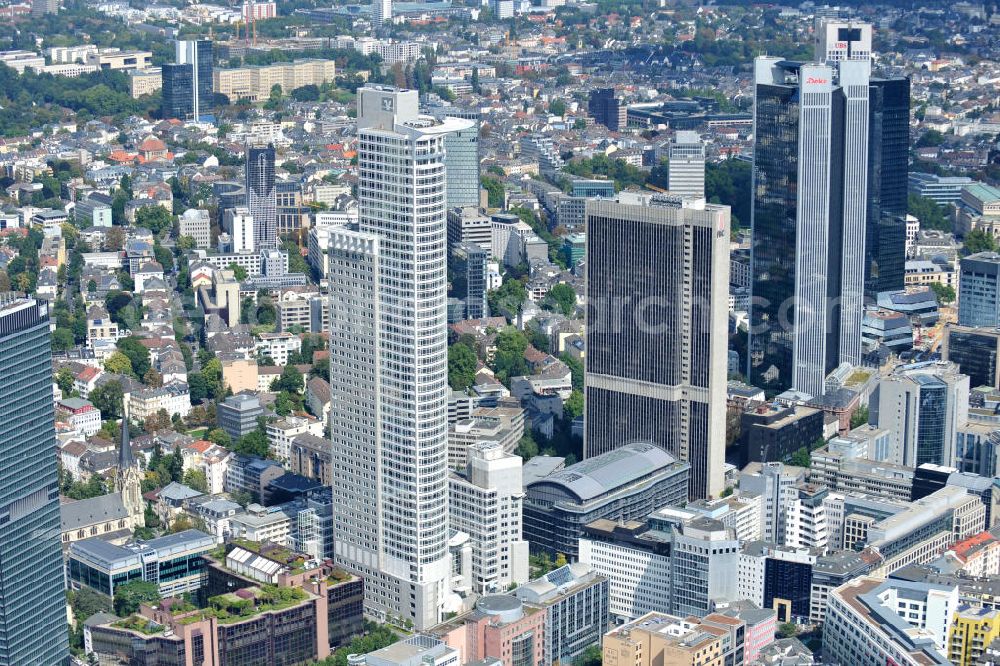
(657, 297)
(178, 91)
(607, 109)
(462, 161)
(389, 362)
(381, 13)
(827, 206)
(468, 278)
(198, 54)
(686, 169)
(33, 607)
(261, 197)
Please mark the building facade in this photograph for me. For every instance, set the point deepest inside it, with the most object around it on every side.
(33, 612)
(657, 286)
(261, 199)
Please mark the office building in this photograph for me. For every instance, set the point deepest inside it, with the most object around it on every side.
(575, 601)
(979, 290)
(485, 503)
(657, 288)
(775, 483)
(177, 91)
(261, 199)
(686, 170)
(195, 223)
(238, 223)
(773, 432)
(468, 278)
(416, 650)
(501, 630)
(40, 8)
(922, 405)
(607, 109)
(975, 351)
(843, 40)
(658, 638)
(627, 483)
(174, 562)
(872, 622)
(830, 144)
(254, 83)
(942, 190)
(33, 612)
(389, 365)
(198, 54)
(468, 225)
(238, 414)
(462, 163)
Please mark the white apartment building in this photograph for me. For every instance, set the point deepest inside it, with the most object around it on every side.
(389, 363)
(262, 524)
(278, 346)
(238, 223)
(173, 398)
(195, 223)
(281, 433)
(486, 505)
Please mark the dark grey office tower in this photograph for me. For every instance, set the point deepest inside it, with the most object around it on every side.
(607, 109)
(33, 627)
(657, 292)
(178, 91)
(888, 175)
(198, 54)
(261, 196)
(468, 278)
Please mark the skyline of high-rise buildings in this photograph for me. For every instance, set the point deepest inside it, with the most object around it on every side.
(389, 362)
(33, 606)
(657, 291)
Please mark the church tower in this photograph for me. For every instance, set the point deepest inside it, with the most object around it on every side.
(128, 479)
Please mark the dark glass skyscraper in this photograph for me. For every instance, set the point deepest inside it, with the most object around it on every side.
(657, 276)
(829, 201)
(178, 91)
(198, 54)
(606, 109)
(888, 172)
(261, 196)
(468, 278)
(33, 627)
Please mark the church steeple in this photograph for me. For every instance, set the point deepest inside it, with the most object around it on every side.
(128, 478)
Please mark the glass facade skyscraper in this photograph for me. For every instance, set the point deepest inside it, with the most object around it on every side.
(178, 91)
(462, 160)
(198, 54)
(261, 196)
(33, 627)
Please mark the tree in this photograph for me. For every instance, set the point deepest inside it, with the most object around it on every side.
(137, 354)
(801, 458)
(562, 298)
(945, 293)
(579, 124)
(508, 299)
(560, 560)
(156, 218)
(859, 417)
(462, 363)
(254, 443)
(978, 240)
(118, 363)
(509, 361)
(152, 378)
(129, 595)
(573, 406)
(575, 367)
(64, 380)
(591, 656)
(494, 191)
(787, 629)
(557, 107)
(239, 272)
(220, 437)
(931, 215)
(527, 448)
(62, 340)
(290, 381)
(186, 243)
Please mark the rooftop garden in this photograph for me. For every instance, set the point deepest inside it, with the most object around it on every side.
(244, 604)
(140, 624)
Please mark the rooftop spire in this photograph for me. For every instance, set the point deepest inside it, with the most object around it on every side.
(125, 458)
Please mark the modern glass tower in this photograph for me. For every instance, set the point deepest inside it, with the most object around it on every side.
(686, 168)
(261, 196)
(33, 627)
(178, 91)
(829, 198)
(198, 54)
(657, 292)
(389, 362)
(463, 164)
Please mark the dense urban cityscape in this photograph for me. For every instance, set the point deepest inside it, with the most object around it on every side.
(499, 333)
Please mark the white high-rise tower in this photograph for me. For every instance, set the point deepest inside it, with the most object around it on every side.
(389, 362)
(381, 12)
